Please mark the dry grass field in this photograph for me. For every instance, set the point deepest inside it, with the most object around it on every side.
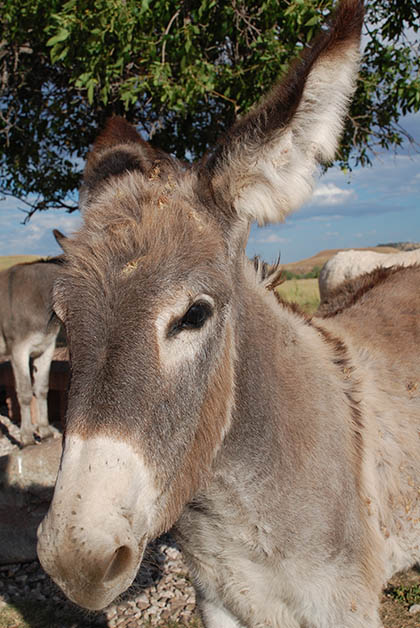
(10, 260)
(304, 292)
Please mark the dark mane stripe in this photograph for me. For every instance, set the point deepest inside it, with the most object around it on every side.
(351, 390)
(270, 275)
(59, 259)
(352, 290)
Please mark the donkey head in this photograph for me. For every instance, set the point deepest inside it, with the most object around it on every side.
(150, 297)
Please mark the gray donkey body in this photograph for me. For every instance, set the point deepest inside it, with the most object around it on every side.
(28, 329)
(285, 450)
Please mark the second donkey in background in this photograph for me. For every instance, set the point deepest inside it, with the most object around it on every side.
(28, 329)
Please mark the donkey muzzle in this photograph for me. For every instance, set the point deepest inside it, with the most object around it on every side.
(93, 538)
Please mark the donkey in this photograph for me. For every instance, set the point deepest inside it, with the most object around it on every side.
(28, 330)
(350, 263)
(351, 290)
(284, 450)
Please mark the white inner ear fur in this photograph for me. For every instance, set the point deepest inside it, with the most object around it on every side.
(275, 180)
(183, 346)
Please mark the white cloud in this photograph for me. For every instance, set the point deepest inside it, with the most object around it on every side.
(324, 218)
(271, 238)
(34, 237)
(54, 219)
(331, 194)
(367, 234)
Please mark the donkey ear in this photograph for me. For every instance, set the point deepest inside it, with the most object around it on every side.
(265, 166)
(118, 149)
(59, 237)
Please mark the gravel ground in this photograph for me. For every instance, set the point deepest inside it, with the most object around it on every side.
(161, 593)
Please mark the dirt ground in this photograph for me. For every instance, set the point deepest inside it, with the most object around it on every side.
(402, 592)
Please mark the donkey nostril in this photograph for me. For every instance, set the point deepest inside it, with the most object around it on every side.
(119, 563)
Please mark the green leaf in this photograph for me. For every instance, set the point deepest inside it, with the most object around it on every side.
(144, 6)
(313, 21)
(90, 93)
(62, 35)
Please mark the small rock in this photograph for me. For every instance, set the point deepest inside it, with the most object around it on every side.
(27, 479)
(413, 610)
(111, 612)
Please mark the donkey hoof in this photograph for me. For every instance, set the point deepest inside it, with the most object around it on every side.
(27, 438)
(45, 431)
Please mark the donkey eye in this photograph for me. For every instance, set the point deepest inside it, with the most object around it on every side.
(194, 317)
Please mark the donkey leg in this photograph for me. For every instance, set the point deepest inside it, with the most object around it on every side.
(41, 375)
(215, 616)
(22, 374)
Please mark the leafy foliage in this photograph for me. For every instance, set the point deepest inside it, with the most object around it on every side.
(181, 70)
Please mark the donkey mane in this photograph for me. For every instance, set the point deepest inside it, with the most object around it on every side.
(269, 275)
(352, 290)
(340, 356)
(59, 259)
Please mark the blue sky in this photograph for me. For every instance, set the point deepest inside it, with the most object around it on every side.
(370, 205)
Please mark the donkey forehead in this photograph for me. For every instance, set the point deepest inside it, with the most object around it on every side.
(150, 201)
(158, 228)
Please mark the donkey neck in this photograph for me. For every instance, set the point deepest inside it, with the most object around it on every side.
(292, 453)
(288, 385)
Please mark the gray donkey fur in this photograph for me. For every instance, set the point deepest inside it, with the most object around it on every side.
(284, 450)
(28, 329)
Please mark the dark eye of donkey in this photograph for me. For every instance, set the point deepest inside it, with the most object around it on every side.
(194, 318)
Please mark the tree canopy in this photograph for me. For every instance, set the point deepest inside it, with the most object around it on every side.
(182, 71)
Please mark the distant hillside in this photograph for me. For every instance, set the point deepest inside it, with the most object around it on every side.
(306, 265)
(403, 246)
